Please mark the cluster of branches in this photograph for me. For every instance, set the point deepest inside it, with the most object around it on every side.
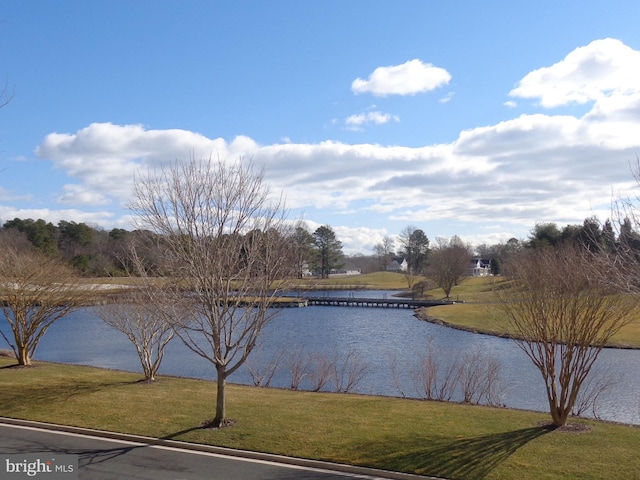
(340, 372)
(468, 376)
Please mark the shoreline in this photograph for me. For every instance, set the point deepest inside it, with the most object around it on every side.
(422, 314)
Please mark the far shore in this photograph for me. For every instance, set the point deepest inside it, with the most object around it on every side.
(423, 314)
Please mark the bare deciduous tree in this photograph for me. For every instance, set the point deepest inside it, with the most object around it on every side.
(563, 315)
(322, 369)
(349, 370)
(146, 314)
(299, 365)
(450, 263)
(147, 317)
(473, 376)
(480, 379)
(36, 290)
(6, 95)
(597, 383)
(384, 252)
(262, 369)
(222, 239)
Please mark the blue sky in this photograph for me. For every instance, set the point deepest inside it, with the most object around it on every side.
(476, 119)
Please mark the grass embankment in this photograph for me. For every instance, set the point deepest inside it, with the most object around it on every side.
(429, 438)
(480, 312)
(376, 280)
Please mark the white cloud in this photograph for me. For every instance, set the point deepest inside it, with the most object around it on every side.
(447, 98)
(105, 157)
(81, 195)
(604, 67)
(357, 121)
(6, 196)
(359, 239)
(409, 78)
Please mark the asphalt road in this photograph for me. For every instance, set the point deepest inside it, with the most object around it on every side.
(106, 459)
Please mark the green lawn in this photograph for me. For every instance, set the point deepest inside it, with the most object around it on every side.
(376, 280)
(480, 313)
(442, 439)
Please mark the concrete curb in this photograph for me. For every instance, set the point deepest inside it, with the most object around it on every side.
(230, 452)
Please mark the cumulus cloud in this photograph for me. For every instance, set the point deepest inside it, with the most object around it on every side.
(105, 157)
(6, 195)
(81, 195)
(409, 78)
(602, 68)
(532, 168)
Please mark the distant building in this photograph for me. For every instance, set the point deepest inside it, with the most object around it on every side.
(398, 264)
(480, 267)
(306, 272)
(344, 272)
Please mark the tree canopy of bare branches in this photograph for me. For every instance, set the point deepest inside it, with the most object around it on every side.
(222, 239)
(144, 324)
(563, 315)
(450, 263)
(146, 314)
(36, 290)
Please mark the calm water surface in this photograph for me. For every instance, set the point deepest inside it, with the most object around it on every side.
(379, 335)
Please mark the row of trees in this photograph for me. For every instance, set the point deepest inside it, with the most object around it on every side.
(89, 249)
(96, 252)
(93, 251)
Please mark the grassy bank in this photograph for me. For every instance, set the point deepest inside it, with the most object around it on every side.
(429, 438)
(376, 280)
(480, 313)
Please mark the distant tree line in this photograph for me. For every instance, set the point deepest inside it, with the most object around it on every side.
(91, 250)
(96, 252)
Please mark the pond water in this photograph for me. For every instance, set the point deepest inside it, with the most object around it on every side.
(379, 336)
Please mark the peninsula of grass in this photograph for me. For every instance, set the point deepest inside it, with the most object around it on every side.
(478, 312)
(428, 438)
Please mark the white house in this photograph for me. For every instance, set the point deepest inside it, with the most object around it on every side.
(398, 264)
(480, 267)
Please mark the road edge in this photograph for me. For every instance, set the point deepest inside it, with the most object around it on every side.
(230, 452)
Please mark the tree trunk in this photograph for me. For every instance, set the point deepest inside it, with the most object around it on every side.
(559, 415)
(23, 357)
(220, 418)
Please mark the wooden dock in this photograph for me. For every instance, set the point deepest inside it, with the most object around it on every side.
(374, 302)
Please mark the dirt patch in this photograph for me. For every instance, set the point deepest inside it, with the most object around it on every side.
(208, 424)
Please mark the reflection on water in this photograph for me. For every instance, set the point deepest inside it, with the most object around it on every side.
(379, 335)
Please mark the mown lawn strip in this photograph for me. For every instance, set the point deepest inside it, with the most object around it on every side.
(431, 438)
